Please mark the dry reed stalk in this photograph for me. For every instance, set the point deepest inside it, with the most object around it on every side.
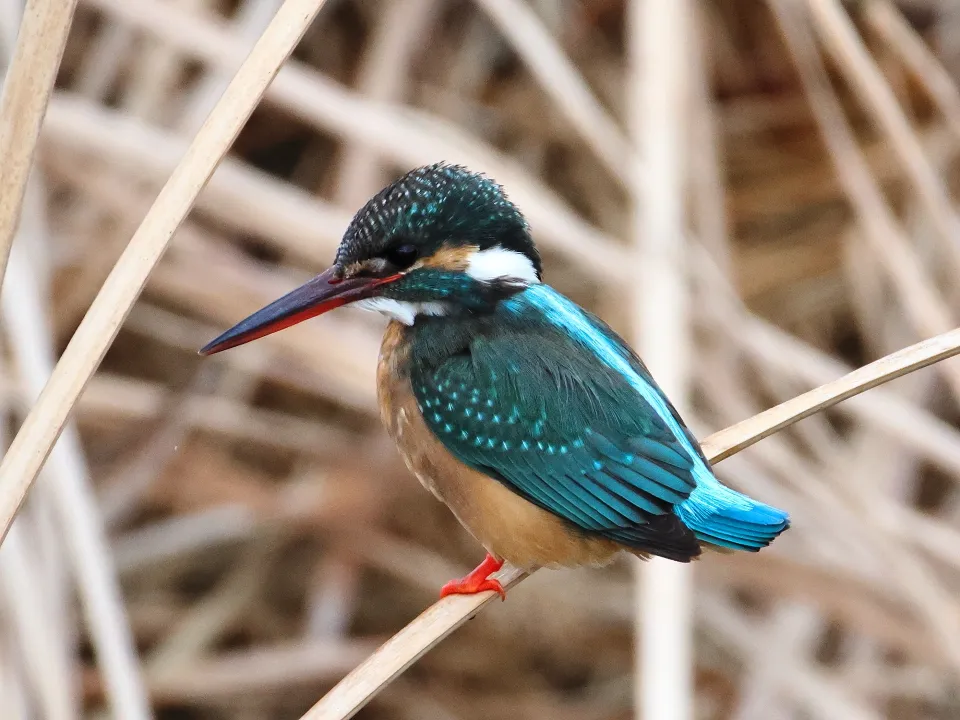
(250, 21)
(895, 470)
(914, 579)
(12, 688)
(68, 491)
(893, 28)
(124, 489)
(46, 667)
(208, 620)
(265, 669)
(33, 567)
(110, 399)
(660, 95)
(707, 190)
(334, 594)
(776, 351)
(25, 318)
(384, 77)
(103, 63)
(438, 621)
(866, 77)
(26, 91)
(102, 322)
(815, 690)
(789, 637)
(155, 74)
(404, 649)
(917, 293)
(548, 62)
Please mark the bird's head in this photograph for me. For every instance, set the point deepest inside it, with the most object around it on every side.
(441, 240)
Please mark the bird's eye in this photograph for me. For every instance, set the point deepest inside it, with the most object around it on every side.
(402, 256)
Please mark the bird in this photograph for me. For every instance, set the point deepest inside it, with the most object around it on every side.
(530, 418)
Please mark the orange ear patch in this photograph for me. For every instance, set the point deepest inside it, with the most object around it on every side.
(450, 258)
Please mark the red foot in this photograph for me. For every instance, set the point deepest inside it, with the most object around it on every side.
(477, 581)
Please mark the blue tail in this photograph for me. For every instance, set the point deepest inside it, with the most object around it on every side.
(723, 517)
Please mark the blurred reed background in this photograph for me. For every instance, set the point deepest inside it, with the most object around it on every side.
(265, 534)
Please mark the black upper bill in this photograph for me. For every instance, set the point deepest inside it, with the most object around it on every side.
(324, 292)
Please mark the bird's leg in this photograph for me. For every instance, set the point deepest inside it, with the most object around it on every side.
(477, 581)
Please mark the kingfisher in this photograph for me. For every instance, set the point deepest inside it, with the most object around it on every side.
(531, 419)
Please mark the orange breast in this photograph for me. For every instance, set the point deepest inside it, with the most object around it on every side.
(508, 526)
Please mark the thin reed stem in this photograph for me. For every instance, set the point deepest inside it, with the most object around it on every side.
(26, 92)
(660, 31)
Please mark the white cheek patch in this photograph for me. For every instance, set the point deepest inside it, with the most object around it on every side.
(400, 310)
(497, 263)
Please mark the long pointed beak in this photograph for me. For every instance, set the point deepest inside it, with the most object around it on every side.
(325, 292)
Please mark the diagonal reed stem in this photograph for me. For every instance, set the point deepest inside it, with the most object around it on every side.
(26, 91)
(445, 616)
(40, 430)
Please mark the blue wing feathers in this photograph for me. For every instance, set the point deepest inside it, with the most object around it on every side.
(658, 492)
(670, 485)
(606, 448)
(714, 512)
(579, 505)
(630, 512)
(627, 468)
(573, 503)
(568, 497)
(646, 504)
(659, 452)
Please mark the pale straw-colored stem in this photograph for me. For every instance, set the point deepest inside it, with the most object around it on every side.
(659, 33)
(26, 91)
(12, 685)
(438, 621)
(889, 23)
(919, 298)
(121, 289)
(27, 608)
(26, 321)
(735, 438)
(404, 649)
(251, 19)
(384, 76)
(561, 80)
(861, 70)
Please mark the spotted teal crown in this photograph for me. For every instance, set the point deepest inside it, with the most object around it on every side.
(433, 206)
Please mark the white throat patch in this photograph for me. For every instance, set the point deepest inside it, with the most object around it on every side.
(400, 310)
(497, 263)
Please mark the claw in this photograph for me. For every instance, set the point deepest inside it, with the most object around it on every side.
(463, 587)
(477, 581)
